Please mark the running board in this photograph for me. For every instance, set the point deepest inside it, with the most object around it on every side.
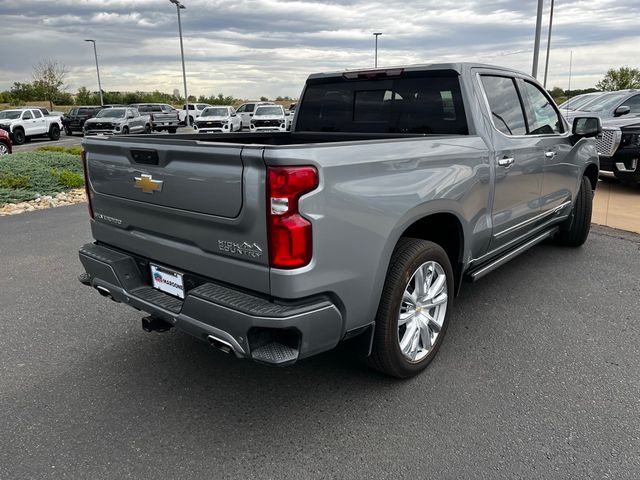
(476, 274)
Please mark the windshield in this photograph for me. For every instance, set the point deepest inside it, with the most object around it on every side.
(111, 113)
(215, 112)
(10, 114)
(576, 102)
(604, 102)
(269, 111)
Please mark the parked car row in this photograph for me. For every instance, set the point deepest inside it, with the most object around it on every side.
(258, 117)
(619, 144)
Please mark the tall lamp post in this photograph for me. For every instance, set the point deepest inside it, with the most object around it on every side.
(536, 43)
(546, 65)
(377, 34)
(95, 52)
(180, 6)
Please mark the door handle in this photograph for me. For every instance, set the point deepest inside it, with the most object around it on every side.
(506, 162)
(550, 154)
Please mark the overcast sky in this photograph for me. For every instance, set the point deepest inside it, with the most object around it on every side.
(268, 47)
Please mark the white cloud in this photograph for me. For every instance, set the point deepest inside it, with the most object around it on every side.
(268, 47)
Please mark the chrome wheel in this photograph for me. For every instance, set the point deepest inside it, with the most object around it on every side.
(3, 149)
(422, 311)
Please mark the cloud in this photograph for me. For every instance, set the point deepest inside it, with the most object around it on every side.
(268, 47)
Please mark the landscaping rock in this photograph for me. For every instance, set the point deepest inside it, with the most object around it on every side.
(46, 201)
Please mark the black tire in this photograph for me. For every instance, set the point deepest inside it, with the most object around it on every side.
(575, 229)
(172, 130)
(68, 132)
(386, 356)
(18, 136)
(147, 128)
(54, 132)
(125, 130)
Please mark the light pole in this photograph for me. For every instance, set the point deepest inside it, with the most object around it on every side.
(546, 66)
(377, 34)
(179, 7)
(95, 52)
(536, 43)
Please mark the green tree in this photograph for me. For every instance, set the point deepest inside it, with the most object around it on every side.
(84, 96)
(49, 76)
(620, 79)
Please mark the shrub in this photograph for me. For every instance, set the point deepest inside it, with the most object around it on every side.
(59, 149)
(13, 181)
(27, 175)
(68, 179)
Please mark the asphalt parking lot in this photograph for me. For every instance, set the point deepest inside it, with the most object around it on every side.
(539, 377)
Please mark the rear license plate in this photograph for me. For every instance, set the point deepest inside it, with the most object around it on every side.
(167, 281)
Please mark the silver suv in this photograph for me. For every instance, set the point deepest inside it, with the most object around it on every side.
(117, 121)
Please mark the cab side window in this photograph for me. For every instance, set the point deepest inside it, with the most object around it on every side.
(27, 116)
(506, 110)
(241, 108)
(37, 113)
(634, 104)
(542, 116)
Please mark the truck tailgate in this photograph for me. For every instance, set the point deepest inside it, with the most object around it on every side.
(196, 207)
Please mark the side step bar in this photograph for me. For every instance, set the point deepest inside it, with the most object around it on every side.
(483, 270)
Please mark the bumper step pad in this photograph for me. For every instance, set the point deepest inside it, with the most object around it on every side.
(275, 353)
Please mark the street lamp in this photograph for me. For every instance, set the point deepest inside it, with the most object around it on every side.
(95, 52)
(377, 34)
(546, 65)
(179, 7)
(536, 42)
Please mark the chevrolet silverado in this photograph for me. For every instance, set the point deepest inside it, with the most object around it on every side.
(358, 227)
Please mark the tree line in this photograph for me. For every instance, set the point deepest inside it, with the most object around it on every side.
(49, 77)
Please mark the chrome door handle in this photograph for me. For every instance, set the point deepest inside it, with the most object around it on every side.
(550, 154)
(506, 162)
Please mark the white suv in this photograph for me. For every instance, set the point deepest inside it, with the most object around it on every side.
(195, 110)
(270, 118)
(218, 119)
(246, 110)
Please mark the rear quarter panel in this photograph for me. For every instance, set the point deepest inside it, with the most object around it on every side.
(369, 194)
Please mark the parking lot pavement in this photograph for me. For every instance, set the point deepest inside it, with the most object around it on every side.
(539, 377)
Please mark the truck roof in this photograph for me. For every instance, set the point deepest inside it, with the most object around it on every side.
(458, 67)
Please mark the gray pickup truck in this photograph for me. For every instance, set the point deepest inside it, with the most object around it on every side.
(356, 228)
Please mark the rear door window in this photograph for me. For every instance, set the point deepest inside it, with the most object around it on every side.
(415, 103)
(506, 110)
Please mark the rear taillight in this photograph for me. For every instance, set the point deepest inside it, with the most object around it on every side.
(290, 239)
(87, 189)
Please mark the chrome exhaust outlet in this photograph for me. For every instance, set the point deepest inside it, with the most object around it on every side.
(221, 345)
(104, 292)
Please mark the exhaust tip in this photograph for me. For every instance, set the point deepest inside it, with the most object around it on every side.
(221, 345)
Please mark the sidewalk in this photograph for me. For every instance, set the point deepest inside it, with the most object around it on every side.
(618, 206)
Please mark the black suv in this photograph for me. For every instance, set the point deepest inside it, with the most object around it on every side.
(74, 120)
(619, 149)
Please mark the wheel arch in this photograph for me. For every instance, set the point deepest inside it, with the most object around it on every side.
(449, 234)
(591, 172)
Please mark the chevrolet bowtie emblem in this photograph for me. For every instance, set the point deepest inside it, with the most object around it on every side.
(148, 184)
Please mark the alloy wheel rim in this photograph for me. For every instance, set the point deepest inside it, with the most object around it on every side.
(3, 149)
(422, 311)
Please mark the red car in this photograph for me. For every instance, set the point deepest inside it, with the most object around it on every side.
(5, 143)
